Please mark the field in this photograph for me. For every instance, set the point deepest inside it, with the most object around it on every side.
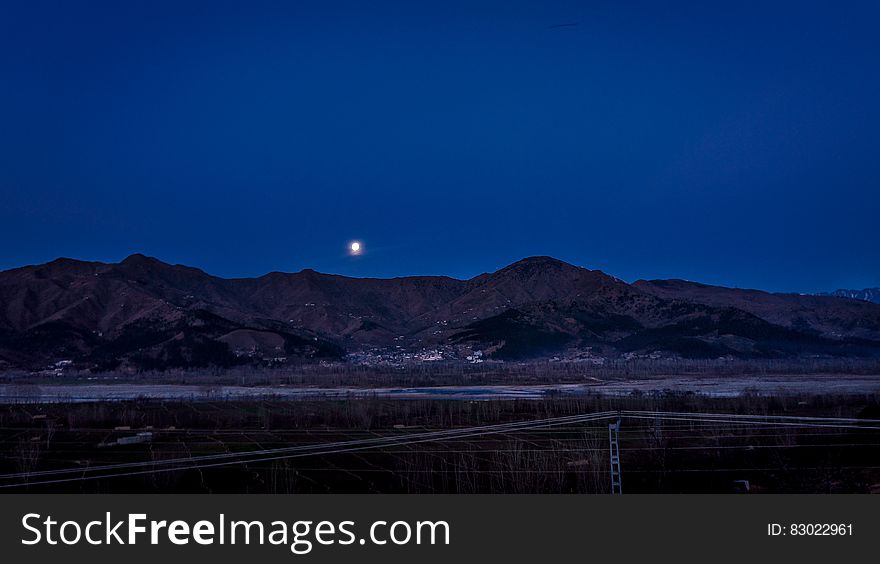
(669, 443)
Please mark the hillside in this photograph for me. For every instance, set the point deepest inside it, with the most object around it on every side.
(143, 313)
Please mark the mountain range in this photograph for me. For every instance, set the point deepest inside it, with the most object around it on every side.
(143, 313)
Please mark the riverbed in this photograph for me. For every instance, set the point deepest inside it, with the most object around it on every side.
(706, 386)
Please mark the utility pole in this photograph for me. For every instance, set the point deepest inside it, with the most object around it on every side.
(614, 455)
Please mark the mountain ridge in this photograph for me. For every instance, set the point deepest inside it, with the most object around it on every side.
(145, 313)
(866, 294)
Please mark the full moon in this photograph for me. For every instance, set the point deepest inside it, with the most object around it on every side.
(355, 248)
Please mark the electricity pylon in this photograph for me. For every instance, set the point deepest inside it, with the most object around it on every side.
(614, 455)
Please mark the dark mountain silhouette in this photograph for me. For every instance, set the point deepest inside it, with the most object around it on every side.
(144, 313)
(822, 315)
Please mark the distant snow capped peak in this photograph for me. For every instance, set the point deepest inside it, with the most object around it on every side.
(867, 295)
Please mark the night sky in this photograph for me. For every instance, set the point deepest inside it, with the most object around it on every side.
(733, 143)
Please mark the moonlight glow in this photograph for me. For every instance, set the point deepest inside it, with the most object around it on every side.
(355, 247)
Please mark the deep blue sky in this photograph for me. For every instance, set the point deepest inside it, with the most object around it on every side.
(728, 142)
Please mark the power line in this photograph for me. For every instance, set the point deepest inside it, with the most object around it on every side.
(291, 452)
(337, 447)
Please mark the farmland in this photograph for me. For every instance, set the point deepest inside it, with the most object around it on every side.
(754, 443)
